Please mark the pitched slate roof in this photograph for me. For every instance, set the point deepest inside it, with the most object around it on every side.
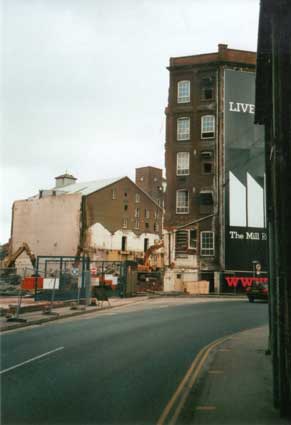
(86, 188)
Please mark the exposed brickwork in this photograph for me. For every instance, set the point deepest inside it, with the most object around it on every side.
(197, 69)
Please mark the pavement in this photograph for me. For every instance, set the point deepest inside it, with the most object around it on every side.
(235, 384)
(30, 318)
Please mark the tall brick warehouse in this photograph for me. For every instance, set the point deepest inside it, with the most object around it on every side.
(214, 158)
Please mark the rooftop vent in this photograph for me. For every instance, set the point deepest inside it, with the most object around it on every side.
(64, 180)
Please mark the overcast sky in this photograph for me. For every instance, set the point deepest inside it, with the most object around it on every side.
(84, 83)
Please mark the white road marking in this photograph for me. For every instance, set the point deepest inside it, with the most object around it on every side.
(31, 360)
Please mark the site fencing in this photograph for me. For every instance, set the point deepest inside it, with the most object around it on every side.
(77, 278)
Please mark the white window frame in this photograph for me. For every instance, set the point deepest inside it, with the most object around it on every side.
(113, 194)
(207, 248)
(137, 198)
(206, 128)
(137, 212)
(124, 223)
(147, 213)
(183, 91)
(182, 207)
(183, 129)
(183, 163)
(137, 224)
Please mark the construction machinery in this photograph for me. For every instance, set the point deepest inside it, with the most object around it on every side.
(9, 260)
(146, 267)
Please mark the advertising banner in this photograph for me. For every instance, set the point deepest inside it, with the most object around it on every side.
(245, 215)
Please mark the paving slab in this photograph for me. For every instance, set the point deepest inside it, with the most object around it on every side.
(235, 386)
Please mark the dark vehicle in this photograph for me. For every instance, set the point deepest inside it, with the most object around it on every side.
(258, 291)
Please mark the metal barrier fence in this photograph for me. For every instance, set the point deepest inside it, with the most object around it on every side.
(9, 277)
(11, 286)
(76, 278)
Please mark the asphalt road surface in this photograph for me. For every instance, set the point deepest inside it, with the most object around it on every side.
(120, 367)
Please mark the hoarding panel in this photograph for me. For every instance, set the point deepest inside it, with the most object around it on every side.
(245, 232)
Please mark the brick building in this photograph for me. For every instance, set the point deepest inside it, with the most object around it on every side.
(110, 219)
(214, 203)
(150, 179)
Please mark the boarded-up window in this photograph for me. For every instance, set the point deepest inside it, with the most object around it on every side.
(181, 244)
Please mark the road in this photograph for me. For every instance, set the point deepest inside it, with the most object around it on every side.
(120, 367)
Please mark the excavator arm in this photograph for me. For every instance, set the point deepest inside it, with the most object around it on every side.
(10, 259)
(150, 251)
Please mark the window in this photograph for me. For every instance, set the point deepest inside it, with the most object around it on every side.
(183, 129)
(145, 244)
(193, 239)
(207, 126)
(182, 202)
(147, 225)
(125, 207)
(137, 212)
(156, 227)
(147, 213)
(206, 197)
(185, 239)
(183, 91)
(113, 193)
(137, 197)
(181, 241)
(207, 88)
(207, 243)
(136, 224)
(206, 155)
(183, 163)
(156, 214)
(123, 243)
(207, 167)
(205, 202)
(124, 223)
(206, 162)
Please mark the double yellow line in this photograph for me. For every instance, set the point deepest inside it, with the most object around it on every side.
(173, 408)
